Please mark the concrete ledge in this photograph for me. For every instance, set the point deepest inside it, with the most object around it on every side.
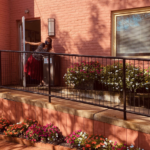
(113, 117)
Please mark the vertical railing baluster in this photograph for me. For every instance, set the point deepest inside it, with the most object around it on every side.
(124, 88)
(49, 77)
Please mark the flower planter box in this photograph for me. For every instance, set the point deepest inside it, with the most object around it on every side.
(29, 143)
(85, 86)
(141, 99)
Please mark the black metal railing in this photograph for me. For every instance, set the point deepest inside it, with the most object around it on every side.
(117, 83)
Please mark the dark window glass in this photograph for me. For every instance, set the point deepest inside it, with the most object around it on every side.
(133, 34)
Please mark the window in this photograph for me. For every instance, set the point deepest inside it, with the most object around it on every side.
(131, 33)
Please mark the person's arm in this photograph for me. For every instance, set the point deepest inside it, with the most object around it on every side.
(33, 43)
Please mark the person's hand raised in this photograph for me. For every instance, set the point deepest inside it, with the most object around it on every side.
(26, 42)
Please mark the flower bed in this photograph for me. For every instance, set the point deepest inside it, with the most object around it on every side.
(3, 124)
(35, 134)
(108, 77)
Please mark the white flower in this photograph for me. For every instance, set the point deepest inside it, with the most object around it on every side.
(52, 136)
(53, 139)
(78, 144)
(110, 141)
(116, 70)
(80, 133)
(131, 146)
(79, 141)
(48, 138)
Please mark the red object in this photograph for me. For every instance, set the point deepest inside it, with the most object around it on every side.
(34, 68)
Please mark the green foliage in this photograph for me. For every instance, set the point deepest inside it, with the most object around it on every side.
(82, 72)
(111, 76)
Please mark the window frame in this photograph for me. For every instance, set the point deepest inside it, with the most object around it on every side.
(114, 15)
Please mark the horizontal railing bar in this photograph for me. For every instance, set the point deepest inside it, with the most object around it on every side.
(5, 87)
(77, 55)
(87, 103)
(132, 112)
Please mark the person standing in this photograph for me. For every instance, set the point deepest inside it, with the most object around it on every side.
(34, 64)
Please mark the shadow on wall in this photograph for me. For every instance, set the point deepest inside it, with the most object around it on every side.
(91, 42)
(67, 123)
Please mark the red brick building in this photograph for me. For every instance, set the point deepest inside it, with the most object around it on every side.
(81, 27)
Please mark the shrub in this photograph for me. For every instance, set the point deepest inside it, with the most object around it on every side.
(37, 132)
(83, 72)
(109, 145)
(112, 76)
(34, 132)
(77, 138)
(3, 124)
(20, 128)
(29, 122)
(94, 142)
(16, 129)
(52, 132)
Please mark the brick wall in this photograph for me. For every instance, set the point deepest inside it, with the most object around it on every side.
(67, 123)
(5, 36)
(82, 27)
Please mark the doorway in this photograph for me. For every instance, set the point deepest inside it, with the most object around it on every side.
(32, 34)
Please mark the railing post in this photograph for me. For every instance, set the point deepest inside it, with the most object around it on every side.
(49, 76)
(124, 88)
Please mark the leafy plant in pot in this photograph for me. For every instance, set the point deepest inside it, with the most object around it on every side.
(112, 77)
(82, 75)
